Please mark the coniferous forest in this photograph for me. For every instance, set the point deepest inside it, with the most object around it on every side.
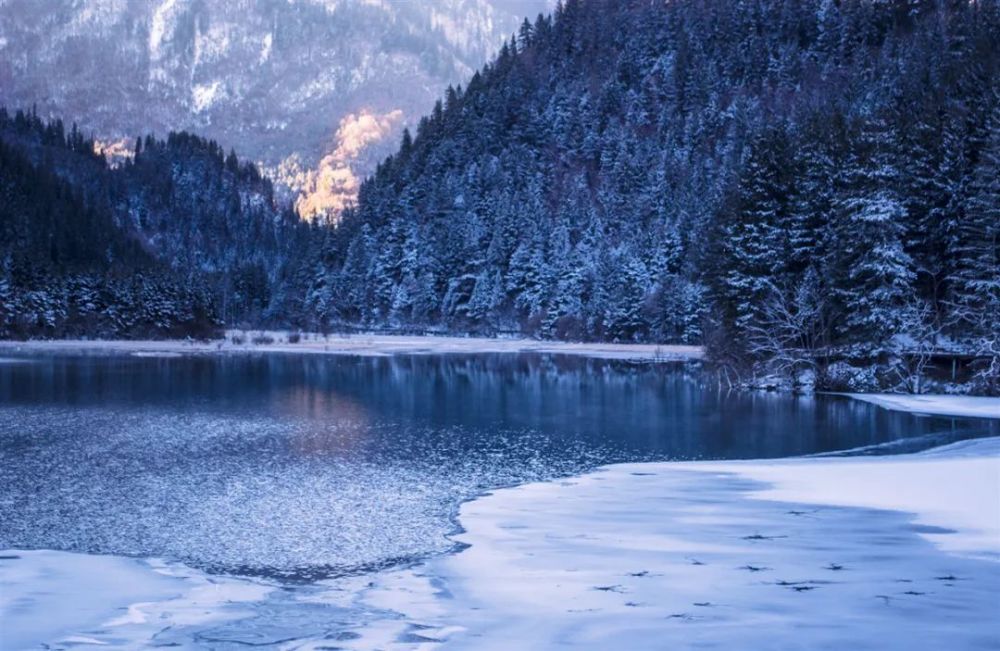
(178, 241)
(806, 187)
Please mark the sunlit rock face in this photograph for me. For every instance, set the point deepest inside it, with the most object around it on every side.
(317, 91)
(335, 181)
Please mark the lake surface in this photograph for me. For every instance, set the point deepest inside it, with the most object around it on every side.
(306, 467)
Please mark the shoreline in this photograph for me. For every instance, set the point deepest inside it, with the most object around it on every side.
(737, 554)
(635, 555)
(357, 344)
(933, 404)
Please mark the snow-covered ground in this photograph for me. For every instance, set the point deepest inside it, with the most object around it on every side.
(861, 553)
(359, 344)
(935, 404)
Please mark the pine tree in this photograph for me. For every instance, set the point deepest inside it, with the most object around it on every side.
(875, 273)
(754, 250)
(976, 246)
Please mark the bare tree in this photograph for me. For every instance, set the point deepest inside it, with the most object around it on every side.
(916, 345)
(792, 328)
(986, 379)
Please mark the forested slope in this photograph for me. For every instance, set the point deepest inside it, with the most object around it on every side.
(176, 241)
(807, 187)
(793, 182)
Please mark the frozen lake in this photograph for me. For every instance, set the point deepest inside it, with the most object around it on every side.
(291, 469)
(303, 467)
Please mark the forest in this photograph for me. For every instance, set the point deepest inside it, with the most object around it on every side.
(179, 240)
(809, 188)
(806, 187)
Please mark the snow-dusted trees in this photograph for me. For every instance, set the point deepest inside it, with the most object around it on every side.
(688, 170)
(771, 179)
(75, 231)
(975, 246)
(874, 273)
(754, 233)
(776, 179)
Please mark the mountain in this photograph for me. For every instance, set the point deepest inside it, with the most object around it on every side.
(809, 187)
(175, 241)
(316, 91)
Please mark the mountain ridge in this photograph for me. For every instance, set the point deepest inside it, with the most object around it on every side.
(274, 78)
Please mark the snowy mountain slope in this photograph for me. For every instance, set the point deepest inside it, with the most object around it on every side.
(274, 78)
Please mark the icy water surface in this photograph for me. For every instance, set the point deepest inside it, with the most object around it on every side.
(306, 467)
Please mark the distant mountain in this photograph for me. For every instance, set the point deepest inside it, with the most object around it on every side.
(288, 82)
(804, 185)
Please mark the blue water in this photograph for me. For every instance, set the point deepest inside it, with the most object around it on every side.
(304, 467)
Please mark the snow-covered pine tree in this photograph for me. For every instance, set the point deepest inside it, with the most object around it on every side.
(975, 287)
(874, 273)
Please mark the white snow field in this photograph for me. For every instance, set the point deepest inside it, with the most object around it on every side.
(898, 552)
(358, 344)
(52, 599)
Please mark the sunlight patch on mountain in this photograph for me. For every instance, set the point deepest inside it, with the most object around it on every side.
(333, 184)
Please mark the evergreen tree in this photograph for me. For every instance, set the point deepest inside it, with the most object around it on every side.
(874, 272)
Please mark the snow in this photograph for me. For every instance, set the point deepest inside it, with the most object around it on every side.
(158, 27)
(936, 404)
(36, 584)
(946, 488)
(265, 48)
(61, 598)
(165, 354)
(829, 553)
(795, 553)
(364, 345)
(203, 96)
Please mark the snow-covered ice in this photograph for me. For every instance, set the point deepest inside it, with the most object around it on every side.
(953, 492)
(895, 552)
(804, 553)
(935, 404)
(63, 599)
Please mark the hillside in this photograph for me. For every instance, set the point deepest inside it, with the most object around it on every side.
(289, 82)
(174, 242)
(804, 186)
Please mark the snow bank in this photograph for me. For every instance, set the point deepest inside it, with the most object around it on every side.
(362, 345)
(935, 404)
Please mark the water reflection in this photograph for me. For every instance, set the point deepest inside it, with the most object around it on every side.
(661, 411)
(308, 465)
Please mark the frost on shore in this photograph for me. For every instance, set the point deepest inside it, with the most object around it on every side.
(359, 344)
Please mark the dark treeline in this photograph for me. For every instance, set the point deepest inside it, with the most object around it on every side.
(799, 184)
(176, 241)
